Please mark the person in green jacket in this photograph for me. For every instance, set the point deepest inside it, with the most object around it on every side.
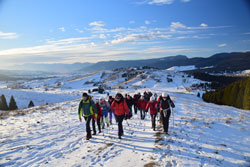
(87, 109)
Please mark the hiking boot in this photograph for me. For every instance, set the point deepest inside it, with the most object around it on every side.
(88, 137)
(100, 131)
(120, 137)
(94, 133)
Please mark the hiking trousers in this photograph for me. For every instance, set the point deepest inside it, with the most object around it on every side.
(153, 116)
(119, 119)
(98, 121)
(87, 120)
(165, 119)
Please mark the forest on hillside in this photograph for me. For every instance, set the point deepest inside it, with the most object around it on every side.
(236, 94)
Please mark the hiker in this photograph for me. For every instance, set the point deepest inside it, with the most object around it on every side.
(87, 109)
(136, 98)
(130, 103)
(111, 112)
(152, 105)
(105, 109)
(155, 96)
(121, 109)
(98, 119)
(164, 105)
(146, 96)
(142, 104)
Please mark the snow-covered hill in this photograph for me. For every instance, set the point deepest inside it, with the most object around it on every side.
(201, 134)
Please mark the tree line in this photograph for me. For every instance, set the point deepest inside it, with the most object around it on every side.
(236, 94)
(12, 104)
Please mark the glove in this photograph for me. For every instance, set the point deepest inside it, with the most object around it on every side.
(80, 119)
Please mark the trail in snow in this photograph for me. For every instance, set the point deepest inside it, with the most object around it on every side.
(203, 135)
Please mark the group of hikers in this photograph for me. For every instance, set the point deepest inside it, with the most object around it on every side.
(119, 107)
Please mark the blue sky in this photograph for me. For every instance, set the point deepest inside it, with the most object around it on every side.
(68, 31)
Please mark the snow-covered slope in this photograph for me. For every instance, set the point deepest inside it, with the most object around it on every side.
(202, 135)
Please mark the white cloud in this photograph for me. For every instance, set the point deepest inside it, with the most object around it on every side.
(160, 2)
(132, 38)
(62, 29)
(8, 35)
(78, 30)
(140, 37)
(177, 25)
(97, 23)
(147, 22)
(185, 0)
(203, 25)
(132, 22)
(222, 45)
(102, 36)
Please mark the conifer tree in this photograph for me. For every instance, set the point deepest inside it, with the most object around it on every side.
(31, 104)
(12, 105)
(3, 103)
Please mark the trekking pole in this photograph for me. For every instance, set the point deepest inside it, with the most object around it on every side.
(173, 117)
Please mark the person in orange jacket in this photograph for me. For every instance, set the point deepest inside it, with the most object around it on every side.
(142, 104)
(119, 106)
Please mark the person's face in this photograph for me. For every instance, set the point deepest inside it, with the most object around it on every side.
(164, 98)
(117, 99)
(84, 98)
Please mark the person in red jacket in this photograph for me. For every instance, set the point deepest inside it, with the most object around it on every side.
(142, 104)
(152, 105)
(119, 106)
(98, 119)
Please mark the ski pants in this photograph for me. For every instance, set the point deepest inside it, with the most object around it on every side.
(165, 119)
(143, 113)
(153, 116)
(98, 121)
(87, 120)
(135, 108)
(119, 119)
(110, 116)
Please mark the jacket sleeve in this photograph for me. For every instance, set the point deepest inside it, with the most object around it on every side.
(147, 106)
(172, 104)
(112, 106)
(79, 109)
(126, 108)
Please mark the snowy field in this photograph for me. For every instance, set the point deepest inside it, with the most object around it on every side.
(201, 134)
(23, 97)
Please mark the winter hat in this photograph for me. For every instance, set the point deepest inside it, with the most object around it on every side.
(84, 94)
(164, 94)
(118, 96)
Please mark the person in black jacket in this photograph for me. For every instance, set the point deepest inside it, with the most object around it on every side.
(135, 99)
(164, 105)
(130, 103)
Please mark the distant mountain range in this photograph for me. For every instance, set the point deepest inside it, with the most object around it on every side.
(235, 61)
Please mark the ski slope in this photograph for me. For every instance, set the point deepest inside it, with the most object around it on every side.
(203, 135)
